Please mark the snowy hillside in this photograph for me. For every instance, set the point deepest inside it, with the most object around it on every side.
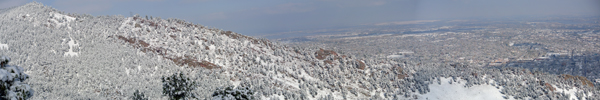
(74, 56)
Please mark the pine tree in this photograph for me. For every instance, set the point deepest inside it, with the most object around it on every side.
(138, 96)
(178, 87)
(11, 77)
(229, 93)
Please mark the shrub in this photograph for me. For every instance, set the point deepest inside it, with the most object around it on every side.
(11, 77)
(178, 87)
(138, 96)
(229, 93)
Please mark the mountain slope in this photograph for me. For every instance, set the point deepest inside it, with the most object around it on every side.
(72, 56)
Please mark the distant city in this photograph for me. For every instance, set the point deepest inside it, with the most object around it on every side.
(556, 45)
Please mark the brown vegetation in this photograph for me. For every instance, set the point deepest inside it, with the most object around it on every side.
(402, 76)
(361, 65)
(400, 71)
(576, 78)
(186, 60)
(203, 39)
(192, 62)
(322, 54)
(259, 41)
(137, 25)
(328, 62)
(154, 25)
(230, 34)
(175, 29)
(135, 42)
(550, 87)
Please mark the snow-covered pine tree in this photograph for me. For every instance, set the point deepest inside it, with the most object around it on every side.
(138, 96)
(229, 93)
(178, 87)
(11, 77)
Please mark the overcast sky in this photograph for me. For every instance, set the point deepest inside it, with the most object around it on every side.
(256, 17)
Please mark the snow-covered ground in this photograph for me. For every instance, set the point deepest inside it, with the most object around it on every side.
(72, 45)
(3, 46)
(124, 54)
(572, 92)
(450, 90)
(58, 20)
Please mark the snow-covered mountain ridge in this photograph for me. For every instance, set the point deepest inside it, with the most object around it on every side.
(72, 56)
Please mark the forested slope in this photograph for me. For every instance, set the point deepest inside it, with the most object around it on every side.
(78, 56)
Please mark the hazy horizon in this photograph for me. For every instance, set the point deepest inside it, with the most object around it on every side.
(266, 17)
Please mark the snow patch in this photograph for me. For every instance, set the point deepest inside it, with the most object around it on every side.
(287, 80)
(236, 83)
(3, 46)
(571, 92)
(307, 77)
(71, 45)
(212, 47)
(395, 56)
(273, 97)
(127, 71)
(65, 17)
(321, 93)
(458, 91)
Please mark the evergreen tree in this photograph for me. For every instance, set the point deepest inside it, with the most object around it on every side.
(229, 93)
(178, 87)
(138, 96)
(11, 77)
